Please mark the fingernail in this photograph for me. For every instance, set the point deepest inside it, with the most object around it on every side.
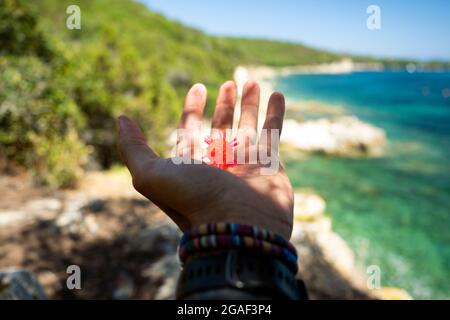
(198, 88)
(251, 85)
(228, 86)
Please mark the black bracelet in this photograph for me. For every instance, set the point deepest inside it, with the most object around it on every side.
(256, 273)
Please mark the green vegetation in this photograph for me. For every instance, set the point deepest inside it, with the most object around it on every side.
(60, 89)
(278, 54)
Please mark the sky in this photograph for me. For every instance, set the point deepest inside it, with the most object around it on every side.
(409, 29)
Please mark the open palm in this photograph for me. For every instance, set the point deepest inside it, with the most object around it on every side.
(193, 194)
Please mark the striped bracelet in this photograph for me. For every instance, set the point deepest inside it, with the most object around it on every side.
(200, 239)
(236, 229)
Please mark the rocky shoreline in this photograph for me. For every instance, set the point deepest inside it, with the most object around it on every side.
(326, 262)
(332, 133)
(108, 229)
(126, 247)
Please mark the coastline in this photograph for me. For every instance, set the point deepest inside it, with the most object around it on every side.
(331, 129)
(266, 75)
(333, 260)
(347, 65)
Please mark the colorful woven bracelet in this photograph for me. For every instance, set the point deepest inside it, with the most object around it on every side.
(213, 242)
(199, 240)
(236, 229)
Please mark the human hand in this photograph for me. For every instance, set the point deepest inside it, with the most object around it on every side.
(194, 194)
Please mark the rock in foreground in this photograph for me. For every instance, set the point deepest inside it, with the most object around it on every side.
(18, 284)
(326, 263)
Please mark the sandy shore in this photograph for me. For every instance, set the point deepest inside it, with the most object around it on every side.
(338, 67)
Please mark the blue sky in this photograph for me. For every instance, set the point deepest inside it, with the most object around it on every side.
(410, 29)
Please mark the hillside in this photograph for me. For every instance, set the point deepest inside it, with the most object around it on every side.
(277, 54)
(62, 89)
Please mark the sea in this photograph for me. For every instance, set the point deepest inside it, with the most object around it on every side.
(393, 210)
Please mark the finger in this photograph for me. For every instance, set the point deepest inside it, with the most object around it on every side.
(193, 107)
(132, 146)
(275, 112)
(249, 106)
(226, 100)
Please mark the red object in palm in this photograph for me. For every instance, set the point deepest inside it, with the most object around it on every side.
(219, 149)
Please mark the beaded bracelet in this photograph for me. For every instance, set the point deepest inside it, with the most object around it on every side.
(201, 239)
(236, 229)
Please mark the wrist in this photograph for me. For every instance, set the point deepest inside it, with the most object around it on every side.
(237, 272)
(271, 221)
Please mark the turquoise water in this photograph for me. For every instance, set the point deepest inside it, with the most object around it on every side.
(394, 211)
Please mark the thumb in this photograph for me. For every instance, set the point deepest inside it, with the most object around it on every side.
(132, 146)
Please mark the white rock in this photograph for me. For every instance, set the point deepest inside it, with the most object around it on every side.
(11, 217)
(45, 204)
(160, 238)
(308, 206)
(326, 263)
(341, 136)
(45, 208)
(72, 215)
(91, 224)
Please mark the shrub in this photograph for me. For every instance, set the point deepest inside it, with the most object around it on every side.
(38, 123)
